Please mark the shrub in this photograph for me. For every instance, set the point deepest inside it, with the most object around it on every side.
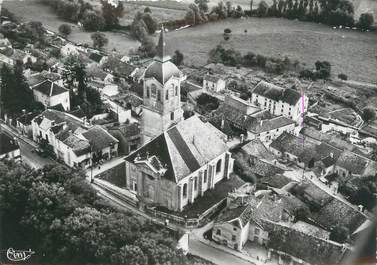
(342, 76)
(227, 31)
(366, 20)
(65, 29)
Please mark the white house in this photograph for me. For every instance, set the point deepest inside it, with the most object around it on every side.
(213, 83)
(51, 94)
(69, 49)
(280, 101)
(9, 149)
(72, 141)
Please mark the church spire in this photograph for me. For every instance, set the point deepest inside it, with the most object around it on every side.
(161, 47)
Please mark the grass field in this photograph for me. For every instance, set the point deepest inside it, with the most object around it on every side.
(32, 10)
(350, 52)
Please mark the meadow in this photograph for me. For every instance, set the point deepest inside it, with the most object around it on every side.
(349, 51)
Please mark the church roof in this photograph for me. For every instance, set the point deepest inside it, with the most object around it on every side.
(161, 68)
(183, 148)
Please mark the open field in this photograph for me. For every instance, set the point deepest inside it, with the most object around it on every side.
(350, 52)
(32, 10)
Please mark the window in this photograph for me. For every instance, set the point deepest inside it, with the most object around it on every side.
(218, 232)
(167, 94)
(257, 231)
(176, 90)
(195, 183)
(218, 166)
(234, 228)
(185, 190)
(153, 91)
(134, 186)
(159, 95)
(172, 116)
(205, 176)
(148, 92)
(233, 238)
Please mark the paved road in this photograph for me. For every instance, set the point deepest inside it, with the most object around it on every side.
(214, 255)
(26, 148)
(31, 158)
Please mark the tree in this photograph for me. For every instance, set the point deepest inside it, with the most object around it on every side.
(323, 69)
(203, 5)
(65, 29)
(147, 10)
(99, 40)
(93, 22)
(131, 255)
(177, 58)
(111, 13)
(339, 234)
(368, 114)
(262, 9)
(366, 20)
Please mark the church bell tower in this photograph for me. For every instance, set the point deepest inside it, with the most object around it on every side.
(161, 94)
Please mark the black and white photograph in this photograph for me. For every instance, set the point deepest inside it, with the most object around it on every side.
(188, 132)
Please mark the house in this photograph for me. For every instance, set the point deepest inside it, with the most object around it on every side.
(213, 83)
(69, 49)
(5, 46)
(73, 141)
(232, 226)
(175, 168)
(24, 57)
(120, 113)
(23, 123)
(350, 165)
(302, 151)
(128, 136)
(280, 101)
(131, 101)
(9, 148)
(271, 222)
(98, 58)
(268, 130)
(244, 107)
(51, 94)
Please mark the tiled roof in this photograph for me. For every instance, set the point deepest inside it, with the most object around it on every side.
(78, 145)
(258, 149)
(58, 117)
(263, 168)
(183, 148)
(7, 144)
(270, 124)
(212, 78)
(49, 88)
(277, 181)
(277, 93)
(99, 138)
(162, 72)
(352, 162)
(309, 248)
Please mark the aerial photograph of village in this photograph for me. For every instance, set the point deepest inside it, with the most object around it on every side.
(188, 132)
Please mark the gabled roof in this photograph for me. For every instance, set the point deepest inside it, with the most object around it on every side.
(99, 138)
(277, 93)
(241, 213)
(270, 124)
(258, 149)
(49, 88)
(183, 148)
(352, 162)
(95, 57)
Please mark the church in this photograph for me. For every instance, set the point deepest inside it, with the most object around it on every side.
(180, 159)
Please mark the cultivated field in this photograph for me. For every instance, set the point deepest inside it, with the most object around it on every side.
(350, 52)
(32, 10)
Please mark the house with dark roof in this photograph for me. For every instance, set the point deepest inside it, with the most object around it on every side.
(51, 94)
(213, 83)
(23, 123)
(350, 164)
(232, 225)
(252, 121)
(271, 222)
(9, 149)
(280, 101)
(72, 140)
(97, 58)
(175, 168)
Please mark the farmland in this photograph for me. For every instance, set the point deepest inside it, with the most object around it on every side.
(33, 10)
(348, 51)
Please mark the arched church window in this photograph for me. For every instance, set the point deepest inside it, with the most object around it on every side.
(148, 92)
(167, 94)
(176, 90)
(158, 95)
(185, 190)
(153, 91)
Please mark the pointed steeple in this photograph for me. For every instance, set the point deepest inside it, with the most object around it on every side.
(161, 47)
